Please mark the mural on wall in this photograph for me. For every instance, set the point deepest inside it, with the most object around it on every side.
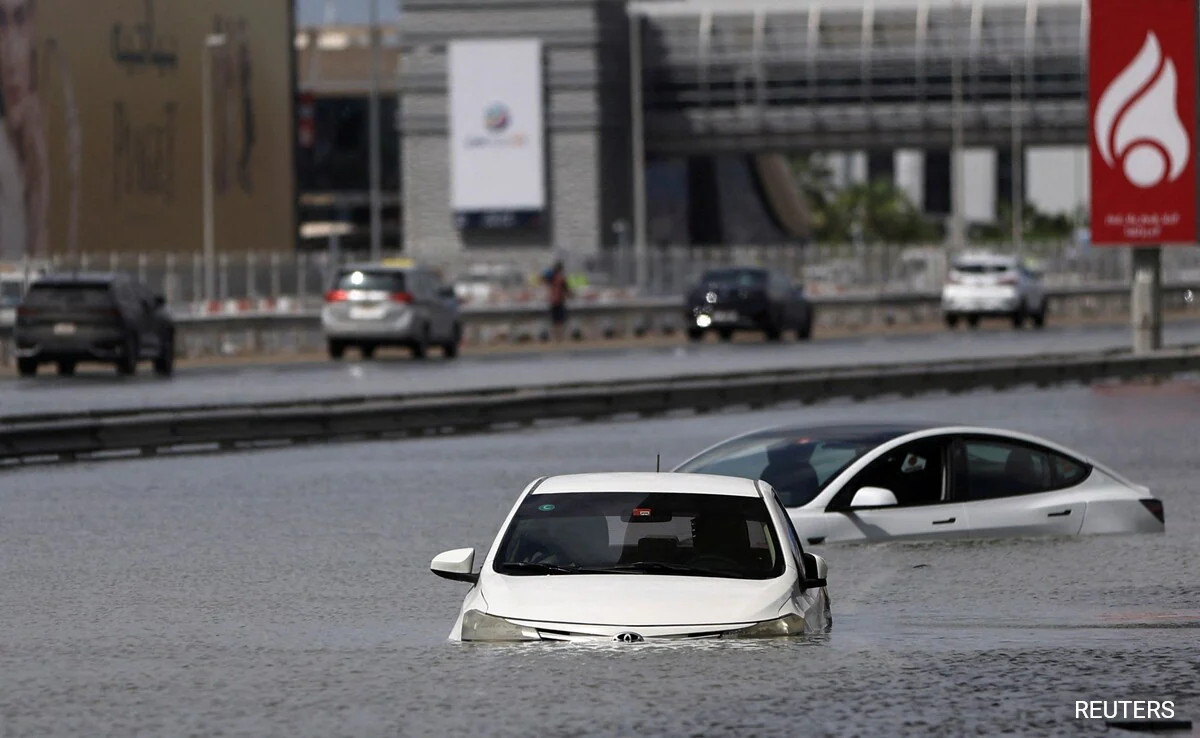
(102, 137)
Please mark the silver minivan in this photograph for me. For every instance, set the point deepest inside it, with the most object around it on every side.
(373, 305)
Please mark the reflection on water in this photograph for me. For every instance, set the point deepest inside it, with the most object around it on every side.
(288, 593)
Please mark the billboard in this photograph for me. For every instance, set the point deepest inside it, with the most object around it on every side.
(102, 138)
(1142, 94)
(496, 133)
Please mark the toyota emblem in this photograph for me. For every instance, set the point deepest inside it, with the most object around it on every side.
(629, 637)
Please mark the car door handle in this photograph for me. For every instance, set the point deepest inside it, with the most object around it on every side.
(1062, 514)
(944, 522)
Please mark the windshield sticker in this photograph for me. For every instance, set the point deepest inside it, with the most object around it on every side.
(642, 512)
(912, 463)
(546, 508)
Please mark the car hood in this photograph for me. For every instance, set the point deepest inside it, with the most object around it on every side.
(635, 599)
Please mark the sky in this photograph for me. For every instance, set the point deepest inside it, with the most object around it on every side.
(1057, 178)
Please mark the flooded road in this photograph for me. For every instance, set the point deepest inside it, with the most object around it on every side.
(288, 593)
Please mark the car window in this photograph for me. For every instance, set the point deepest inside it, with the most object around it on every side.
(913, 472)
(985, 469)
(370, 281)
(801, 468)
(716, 535)
(78, 295)
(735, 277)
(975, 267)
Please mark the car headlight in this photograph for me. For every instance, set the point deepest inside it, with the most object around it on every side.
(479, 626)
(788, 625)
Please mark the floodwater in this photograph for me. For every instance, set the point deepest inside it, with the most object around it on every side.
(287, 593)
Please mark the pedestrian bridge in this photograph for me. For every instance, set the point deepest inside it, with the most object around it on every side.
(744, 76)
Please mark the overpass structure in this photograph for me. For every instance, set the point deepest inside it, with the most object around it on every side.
(754, 76)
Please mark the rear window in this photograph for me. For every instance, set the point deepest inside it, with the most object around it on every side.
(69, 295)
(978, 268)
(735, 277)
(381, 281)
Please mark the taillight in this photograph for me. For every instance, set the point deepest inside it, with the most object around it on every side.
(335, 295)
(401, 297)
(1008, 280)
(1155, 507)
(24, 312)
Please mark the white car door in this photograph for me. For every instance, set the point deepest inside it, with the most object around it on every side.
(915, 475)
(1012, 488)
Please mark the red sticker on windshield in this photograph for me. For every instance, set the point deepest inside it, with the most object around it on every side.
(641, 512)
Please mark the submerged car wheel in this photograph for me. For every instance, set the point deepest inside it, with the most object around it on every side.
(27, 367)
(66, 367)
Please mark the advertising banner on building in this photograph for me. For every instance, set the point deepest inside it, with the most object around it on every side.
(496, 133)
(101, 148)
(1142, 90)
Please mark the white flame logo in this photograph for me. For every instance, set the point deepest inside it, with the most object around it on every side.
(1137, 123)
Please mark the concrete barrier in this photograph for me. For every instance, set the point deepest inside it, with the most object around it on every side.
(300, 331)
(180, 430)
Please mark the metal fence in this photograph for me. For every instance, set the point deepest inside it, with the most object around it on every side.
(823, 269)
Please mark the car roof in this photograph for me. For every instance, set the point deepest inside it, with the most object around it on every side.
(836, 431)
(657, 482)
(64, 278)
(985, 257)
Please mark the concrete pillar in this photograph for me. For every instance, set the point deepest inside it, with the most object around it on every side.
(1146, 299)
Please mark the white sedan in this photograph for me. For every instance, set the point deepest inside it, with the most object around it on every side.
(915, 481)
(632, 557)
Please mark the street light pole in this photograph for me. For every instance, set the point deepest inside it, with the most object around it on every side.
(1018, 165)
(373, 134)
(640, 250)
(212, 41)
(957, 225)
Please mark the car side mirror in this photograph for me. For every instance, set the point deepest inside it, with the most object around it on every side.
(455, 565)
(874, 497)
(815, 570)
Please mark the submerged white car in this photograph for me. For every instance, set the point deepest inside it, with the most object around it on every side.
(632, 557)
(914, 481)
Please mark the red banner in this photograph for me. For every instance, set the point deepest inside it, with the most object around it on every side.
(1142, 94)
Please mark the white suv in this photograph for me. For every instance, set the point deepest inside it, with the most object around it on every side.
(990, 286)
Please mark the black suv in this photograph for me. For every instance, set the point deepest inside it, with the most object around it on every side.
(747, 299)
(73, 317)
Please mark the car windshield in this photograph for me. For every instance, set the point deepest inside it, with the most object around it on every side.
(69, 295)
(641, 533)
(370, 281)
(734, 277)
(797, 467)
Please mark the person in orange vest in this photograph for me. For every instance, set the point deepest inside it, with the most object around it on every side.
(559, 293)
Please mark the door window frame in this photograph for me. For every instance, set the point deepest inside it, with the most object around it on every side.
(1049, 453)
(841, 500)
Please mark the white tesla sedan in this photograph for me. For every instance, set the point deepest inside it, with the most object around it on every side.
(632, 557)
(914, 481)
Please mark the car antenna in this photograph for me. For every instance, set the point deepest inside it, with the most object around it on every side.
(657, 462)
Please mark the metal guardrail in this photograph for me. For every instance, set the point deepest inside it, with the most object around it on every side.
(182, 431)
